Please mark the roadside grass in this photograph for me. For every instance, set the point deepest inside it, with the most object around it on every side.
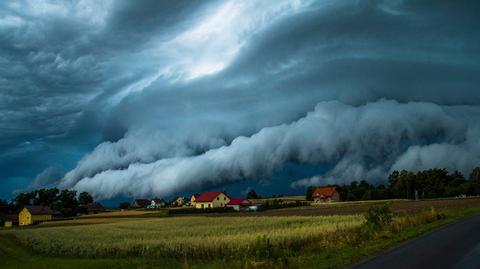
(368, 243)
(334, 248)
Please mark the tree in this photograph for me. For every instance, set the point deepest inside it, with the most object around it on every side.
(457, 184)
(252, 194)
(403, 184)
(66, 203)
(309, 193)
(124, 205)
(45, 196)
(432, 182)
(23, 199)
(474, 180)
(85, 198)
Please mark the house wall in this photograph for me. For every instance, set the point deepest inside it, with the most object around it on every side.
(220, 201)
(38, 218)
(24, 217)
(335, 197)
(203, 205)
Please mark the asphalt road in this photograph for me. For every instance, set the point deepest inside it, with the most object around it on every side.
(456, 246)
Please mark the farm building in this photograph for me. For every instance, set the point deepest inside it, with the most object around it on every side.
(141, 203)
(212, 199)
(34, 214)
(9, 220)
(325, 194)
(156, 203)
(239, 204)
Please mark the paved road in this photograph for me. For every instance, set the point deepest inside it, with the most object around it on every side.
(453, 246)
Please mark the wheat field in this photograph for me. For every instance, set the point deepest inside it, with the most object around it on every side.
(183, 236)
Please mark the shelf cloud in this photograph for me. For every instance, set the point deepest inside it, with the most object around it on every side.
(363, 142)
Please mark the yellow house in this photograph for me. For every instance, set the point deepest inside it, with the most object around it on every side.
(34, 214)
(212, 199)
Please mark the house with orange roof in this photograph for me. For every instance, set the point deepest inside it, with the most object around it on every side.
(325, 194)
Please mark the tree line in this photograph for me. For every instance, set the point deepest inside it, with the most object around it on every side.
(64, 201)
(431, 183)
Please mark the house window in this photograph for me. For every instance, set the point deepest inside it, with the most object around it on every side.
(203, 205)
(224, 198)
(209, 205)
(218, 198)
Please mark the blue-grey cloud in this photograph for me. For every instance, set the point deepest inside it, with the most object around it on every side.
(136, 84)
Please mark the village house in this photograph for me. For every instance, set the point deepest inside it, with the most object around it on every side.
(10, 220)
(156, 203)
(212, 199)
(193, 198)
(325, 194)
(140, 203)
(239, 204)
(179, 201)
(34, 214)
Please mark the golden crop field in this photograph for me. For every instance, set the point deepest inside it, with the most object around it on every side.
(90, 221)
(179, 236)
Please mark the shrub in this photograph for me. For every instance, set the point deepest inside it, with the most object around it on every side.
(378, 217)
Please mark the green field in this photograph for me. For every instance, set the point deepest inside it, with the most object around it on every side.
(212, 241)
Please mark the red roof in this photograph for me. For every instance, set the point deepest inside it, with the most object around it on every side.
(238, 201)
(208, 196)
(324, 191)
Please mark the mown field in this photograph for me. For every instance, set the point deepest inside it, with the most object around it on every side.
(216, 241)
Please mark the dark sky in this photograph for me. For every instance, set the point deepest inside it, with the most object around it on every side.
(155, 98)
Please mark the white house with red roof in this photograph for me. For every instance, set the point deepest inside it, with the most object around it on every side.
(239, 204)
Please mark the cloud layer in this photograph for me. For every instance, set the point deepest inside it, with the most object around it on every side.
(363, 142)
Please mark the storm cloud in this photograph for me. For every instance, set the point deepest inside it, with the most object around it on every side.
(154, 98)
